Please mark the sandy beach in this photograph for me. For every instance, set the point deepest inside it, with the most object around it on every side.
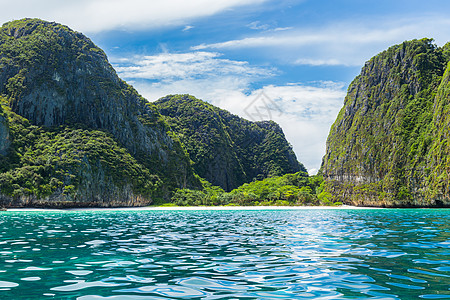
(193, 208)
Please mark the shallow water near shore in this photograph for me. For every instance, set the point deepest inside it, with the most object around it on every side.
(253, 254)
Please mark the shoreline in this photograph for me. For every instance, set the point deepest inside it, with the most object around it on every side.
(191, 208)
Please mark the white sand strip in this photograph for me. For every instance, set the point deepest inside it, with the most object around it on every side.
(191, 208)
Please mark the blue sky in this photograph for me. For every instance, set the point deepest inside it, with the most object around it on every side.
(299, 54)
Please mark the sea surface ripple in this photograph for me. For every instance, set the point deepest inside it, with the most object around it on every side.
(265, 254)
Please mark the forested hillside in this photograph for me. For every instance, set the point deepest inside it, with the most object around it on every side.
(389, 145)
(73, 134)
(227, 150)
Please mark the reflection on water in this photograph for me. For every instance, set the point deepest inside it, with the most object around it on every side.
(299, 254)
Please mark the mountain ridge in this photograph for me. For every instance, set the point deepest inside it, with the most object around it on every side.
(242, 150)
(73, 134)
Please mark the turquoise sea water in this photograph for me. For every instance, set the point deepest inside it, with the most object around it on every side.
(295, 254)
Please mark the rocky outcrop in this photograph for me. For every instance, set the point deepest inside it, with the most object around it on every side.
(95, 190)
(4, 135)
(227, 150)
(57, 79)
(382, 149)
(56, 167)
(438, 181)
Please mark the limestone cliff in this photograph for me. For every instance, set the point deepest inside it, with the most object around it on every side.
(228, 150)
(73, 134)
(58, 79)
(388, 145)
(4, 135)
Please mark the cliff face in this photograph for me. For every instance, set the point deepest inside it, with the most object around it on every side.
(71, 167)
(228, 150)
(4, 133)
(388, 145)
(439, 156)
(57, 79)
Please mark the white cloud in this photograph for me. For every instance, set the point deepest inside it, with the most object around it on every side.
(187, 28)
(182, 66)
(203, 88)
(306, 111)
(347, 43)
(200, 73)
(283, 28)
(318, 62)
(258, 26)
(250, 42)
(99, 15)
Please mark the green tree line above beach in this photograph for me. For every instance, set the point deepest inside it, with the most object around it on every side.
(286, 190)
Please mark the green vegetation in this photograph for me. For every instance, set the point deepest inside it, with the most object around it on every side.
(46, 161)
(73, 133)
(286, 190)
(225, 149)
(30, 44)
(388, 144)
(70, 97)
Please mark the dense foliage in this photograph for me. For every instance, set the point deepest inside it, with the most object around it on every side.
(387, 146)
(225, 149)
(71, 131)
(60, 82)
(46, 161)
(289, 189)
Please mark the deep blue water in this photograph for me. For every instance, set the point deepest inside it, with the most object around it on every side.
(295, 254)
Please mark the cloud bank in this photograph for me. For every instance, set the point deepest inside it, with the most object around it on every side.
(177, 66)
(100, 15)
(348, 43)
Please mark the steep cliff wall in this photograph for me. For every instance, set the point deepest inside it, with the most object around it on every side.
(4, 133)
(70, 167)
(380, 148)
(58, 79)
(438, 182)
(228, 150)
(54, 76)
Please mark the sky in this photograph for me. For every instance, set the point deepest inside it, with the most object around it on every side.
(290, 61)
